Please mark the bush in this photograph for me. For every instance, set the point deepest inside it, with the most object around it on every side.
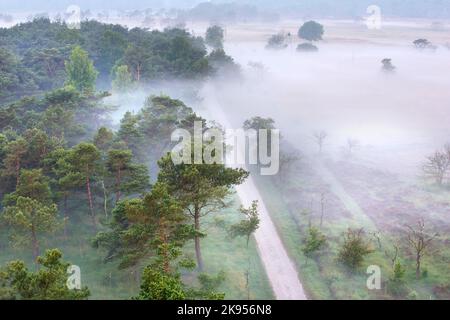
(354, 249)
(307, 47)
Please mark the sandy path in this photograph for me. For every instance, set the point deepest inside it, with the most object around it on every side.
(280, 269)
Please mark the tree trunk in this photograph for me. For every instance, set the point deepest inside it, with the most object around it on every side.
(138, 72)
(418, 257)
(118, 183)
(91, 206)
(17, 173)
(35, 243)
(66, 215)
(198, 252)
(105, 199)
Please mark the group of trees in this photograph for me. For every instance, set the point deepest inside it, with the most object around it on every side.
(58, 148)
(310, 31)
(32, 55)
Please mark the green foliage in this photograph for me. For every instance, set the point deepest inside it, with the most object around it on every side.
(214, 37)
(311, 31)
(153, 226)
(15, 80)
(29, 219)
(122, 79)
(157, 285)
(248, 226)
(129, 177)
(200, 188)
(48, 283)
(81, 73)
(223, 64)
(277, 41)
(315, 241)
(354, 248)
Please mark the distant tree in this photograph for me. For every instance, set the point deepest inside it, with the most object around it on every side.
(352, 145)
(437, 166)
(122, 79)
(311, 31)
(80, 70)
(214, 37)
(287, 161)
(320, 137)
(387, 65)
(422, 43)
(420, 240)
(354, 248)
(137, 60)
(222, 64)
(277, 41)
(47, 283)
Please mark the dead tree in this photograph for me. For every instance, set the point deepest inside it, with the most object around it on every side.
(420, 240)
(320, 137)
(322, 207)
(352, 145)
(437, 166)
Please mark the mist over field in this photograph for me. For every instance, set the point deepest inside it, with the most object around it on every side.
(87, 111)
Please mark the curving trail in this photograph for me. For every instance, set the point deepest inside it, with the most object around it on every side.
(280, 270)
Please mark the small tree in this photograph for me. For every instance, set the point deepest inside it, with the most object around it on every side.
(420, 240)
(246, 228)
(214, 37)
(311, 31)
(437, 166)
(352, 145)
(83, 167)
(48, 283)
(80, 70)
(387, 65)
(277, 41)
(320, 137)
(354, 248)
(122, 79)
(422, 43)
(315, 241)
(30, 219)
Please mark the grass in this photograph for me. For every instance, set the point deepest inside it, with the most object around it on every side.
(324, 277)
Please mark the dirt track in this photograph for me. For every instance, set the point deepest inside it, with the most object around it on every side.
(279, 267)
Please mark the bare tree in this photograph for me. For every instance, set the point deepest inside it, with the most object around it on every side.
(393, 255)
(287, 160)
(420, 240)
(322, 206)
(352, 145)
(320, 137)
(437, 165)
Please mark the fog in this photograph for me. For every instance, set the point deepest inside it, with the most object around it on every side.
(397, 118)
